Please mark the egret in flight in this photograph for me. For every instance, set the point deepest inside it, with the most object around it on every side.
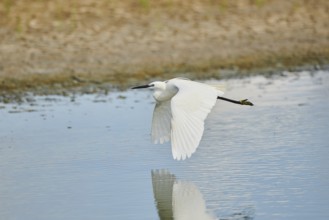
(181, 108)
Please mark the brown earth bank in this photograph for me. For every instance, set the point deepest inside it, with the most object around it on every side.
(51, 45)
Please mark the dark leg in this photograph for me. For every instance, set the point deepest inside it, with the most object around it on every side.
(241, 102)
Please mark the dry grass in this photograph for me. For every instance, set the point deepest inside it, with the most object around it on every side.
(49, 42)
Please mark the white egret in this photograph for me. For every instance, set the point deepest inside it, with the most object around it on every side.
(181, 108)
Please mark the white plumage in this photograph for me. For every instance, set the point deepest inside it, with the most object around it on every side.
(181, 108)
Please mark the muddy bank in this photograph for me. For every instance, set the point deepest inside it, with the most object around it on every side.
(46, 46)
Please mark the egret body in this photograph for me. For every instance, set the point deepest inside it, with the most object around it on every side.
(181, 108)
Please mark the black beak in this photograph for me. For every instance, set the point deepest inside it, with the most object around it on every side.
(141, 87)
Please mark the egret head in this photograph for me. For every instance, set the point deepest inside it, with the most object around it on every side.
(157, 85)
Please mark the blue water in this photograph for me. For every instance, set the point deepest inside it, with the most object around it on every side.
(91, 156)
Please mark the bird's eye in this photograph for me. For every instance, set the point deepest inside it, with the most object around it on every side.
(151, 85)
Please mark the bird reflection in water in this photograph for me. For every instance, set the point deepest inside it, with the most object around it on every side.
(182, 200)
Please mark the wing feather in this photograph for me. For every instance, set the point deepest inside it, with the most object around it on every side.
(189, 108)
(161, 122)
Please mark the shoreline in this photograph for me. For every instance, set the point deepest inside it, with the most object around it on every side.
(70, 86)
(93, 44)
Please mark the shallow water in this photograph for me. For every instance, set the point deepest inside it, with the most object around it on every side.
(91, 157)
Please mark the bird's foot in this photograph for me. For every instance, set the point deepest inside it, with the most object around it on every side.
(246, 102)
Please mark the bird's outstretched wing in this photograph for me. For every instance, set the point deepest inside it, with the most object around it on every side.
(189, 108)
(161, 122)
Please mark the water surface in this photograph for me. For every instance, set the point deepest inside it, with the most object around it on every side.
(91, 157)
